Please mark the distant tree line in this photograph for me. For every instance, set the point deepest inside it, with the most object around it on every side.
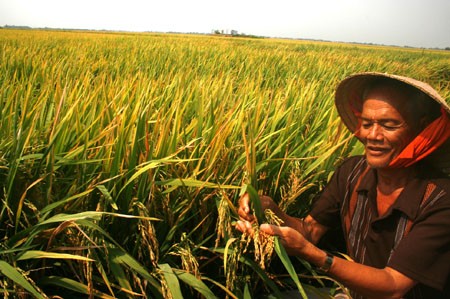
(234, 33)
(214, 31)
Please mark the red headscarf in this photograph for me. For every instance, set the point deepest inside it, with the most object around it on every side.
(434, 135)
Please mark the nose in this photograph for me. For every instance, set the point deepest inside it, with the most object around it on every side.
(375, 132)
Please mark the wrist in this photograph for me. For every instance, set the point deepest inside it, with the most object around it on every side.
(325, 266)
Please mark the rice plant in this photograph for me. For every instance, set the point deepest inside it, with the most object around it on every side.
(123, 155)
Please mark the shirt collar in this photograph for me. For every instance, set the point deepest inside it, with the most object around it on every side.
(409, 199)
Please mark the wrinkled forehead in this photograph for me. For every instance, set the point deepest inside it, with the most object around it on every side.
(390, 95)
(415, 107)
(396, 94)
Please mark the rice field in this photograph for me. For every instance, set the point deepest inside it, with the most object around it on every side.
(123, 155)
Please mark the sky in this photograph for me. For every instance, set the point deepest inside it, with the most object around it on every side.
(413, 23)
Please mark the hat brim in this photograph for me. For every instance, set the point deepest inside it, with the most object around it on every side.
(349, 99)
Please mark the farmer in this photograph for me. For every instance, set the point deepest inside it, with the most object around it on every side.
(393, 203)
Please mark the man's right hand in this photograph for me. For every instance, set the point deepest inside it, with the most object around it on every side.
(245, 212)
(246, 215)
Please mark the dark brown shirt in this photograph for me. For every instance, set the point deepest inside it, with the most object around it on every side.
(412, 237)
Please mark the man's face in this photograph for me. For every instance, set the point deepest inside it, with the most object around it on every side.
(384, 130)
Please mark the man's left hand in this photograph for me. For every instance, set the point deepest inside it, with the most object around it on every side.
(291, 239)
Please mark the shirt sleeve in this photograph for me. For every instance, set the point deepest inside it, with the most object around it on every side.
(424, 253)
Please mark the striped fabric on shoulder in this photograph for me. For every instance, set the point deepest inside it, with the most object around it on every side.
(355, 213)
(431, 195)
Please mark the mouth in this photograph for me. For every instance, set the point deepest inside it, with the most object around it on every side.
(376, 151)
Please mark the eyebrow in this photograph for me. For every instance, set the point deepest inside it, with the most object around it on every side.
(378, 120)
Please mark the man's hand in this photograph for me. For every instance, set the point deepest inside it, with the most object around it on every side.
(245, 227)
(244, 210)
(307, 227)
(293, 241)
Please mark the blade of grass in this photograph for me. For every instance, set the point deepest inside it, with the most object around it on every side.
(12, 273)
(172, 281)
(195, 283)
(38, 254)
(73, 285)
(284, 257)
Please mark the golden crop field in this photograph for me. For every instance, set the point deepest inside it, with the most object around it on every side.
(123, 156)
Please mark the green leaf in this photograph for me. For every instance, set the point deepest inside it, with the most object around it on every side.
(255, 202)
(194, 183)
(284, 257)
(108, 196)
(12, 273)
(172, 281)
(148, 166)
(195, 283)
(38, 254)
(115, 265)
(225, 253)
(247, 294)
(89, 215)
(118, 257)
(72, 285)
(54, 205)
(262, 274)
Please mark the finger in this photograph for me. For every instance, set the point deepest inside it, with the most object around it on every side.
(245, 216)
(269, 229)
(244, 227)
(244, 211)
(276, 231)
(244, 203)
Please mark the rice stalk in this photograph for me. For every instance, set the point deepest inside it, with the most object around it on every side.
(84, 116)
